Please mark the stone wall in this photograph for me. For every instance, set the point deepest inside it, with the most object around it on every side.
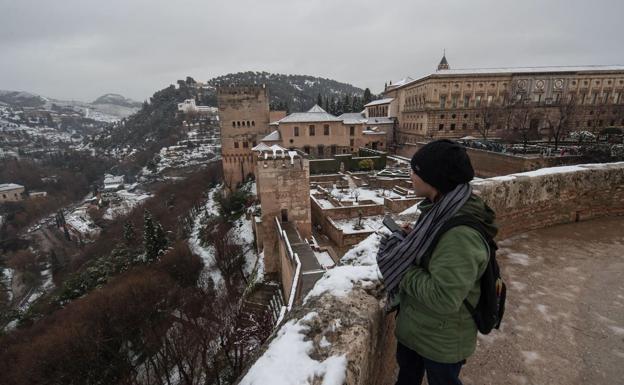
(557, 195)
(488, 164)
(398, 205)
(284, 192)
(346, 311)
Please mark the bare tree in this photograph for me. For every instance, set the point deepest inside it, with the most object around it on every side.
(559, 118)
(488, 113)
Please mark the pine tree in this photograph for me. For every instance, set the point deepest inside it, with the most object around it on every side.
(319, 99)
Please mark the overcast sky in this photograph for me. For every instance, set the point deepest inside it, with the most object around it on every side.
(81, 49)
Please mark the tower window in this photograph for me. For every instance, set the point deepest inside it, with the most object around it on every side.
(311, 127)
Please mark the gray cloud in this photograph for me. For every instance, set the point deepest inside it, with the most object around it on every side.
(83, 48)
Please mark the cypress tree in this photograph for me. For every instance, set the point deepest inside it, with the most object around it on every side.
(319, 99)
(367, 96)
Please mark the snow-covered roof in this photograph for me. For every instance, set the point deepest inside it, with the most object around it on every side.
(261, 147)
(113, 179)
(378, 102)
(9, 186)
(272, 137)
(379, 120)
(353, 118)
(314, 114)
(514, 70)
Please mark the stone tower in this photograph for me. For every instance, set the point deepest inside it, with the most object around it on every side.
(243, 119)
(283, 185)
(443, 63)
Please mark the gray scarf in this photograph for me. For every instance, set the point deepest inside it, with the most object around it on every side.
(399, 251)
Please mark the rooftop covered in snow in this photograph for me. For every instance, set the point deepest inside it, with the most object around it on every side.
(379, 102)
(9, 186)
(314, 114)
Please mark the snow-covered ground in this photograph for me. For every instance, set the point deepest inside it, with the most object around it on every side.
(81, 221)
(348, 196)
(206, 252)
(124, 204)
(324, 259)
(199, 147)
(291, 349)
(241, 233)
(348, 226)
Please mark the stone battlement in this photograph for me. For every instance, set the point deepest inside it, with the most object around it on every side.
(242, 90)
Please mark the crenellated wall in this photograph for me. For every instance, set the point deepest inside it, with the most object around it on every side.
(348, 338)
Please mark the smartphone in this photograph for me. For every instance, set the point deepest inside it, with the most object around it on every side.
(391, 224)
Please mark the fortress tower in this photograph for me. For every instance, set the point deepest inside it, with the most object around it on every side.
(283, 184)
(243, 119)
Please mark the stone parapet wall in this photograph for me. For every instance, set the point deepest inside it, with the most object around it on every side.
(552, 196)
(349, 339)
(488, 164)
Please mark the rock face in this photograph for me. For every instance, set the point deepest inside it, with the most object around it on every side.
(343, 315)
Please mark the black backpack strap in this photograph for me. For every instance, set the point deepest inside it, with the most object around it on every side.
(459, 220)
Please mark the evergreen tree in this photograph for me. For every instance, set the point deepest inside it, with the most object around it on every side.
(326, 104)
(149, 237)
(346, 104)
(332, 106)
(339, 107)
(319, 99)
(128, 233)
(154, 237)
(367, 96)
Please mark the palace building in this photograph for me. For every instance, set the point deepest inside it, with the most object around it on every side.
(453, 103)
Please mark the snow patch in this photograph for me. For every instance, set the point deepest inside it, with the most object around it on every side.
(291, 349)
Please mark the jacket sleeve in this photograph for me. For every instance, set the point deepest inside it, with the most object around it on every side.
(454, 267)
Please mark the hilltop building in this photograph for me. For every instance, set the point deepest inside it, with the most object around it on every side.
(453, 103)
(189, 106)
(11, 192)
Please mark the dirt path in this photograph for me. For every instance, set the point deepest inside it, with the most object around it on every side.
(565, 315)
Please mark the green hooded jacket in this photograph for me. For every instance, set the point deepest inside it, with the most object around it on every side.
(433, 321)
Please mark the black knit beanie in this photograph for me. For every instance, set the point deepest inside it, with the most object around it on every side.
(443, 164)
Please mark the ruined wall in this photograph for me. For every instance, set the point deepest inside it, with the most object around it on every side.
(352, 320)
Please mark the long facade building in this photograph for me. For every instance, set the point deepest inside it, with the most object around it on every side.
(450, 103)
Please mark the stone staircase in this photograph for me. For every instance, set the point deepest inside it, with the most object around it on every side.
(265, 297)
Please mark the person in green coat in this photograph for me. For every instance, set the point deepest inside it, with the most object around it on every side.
(435, 331)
